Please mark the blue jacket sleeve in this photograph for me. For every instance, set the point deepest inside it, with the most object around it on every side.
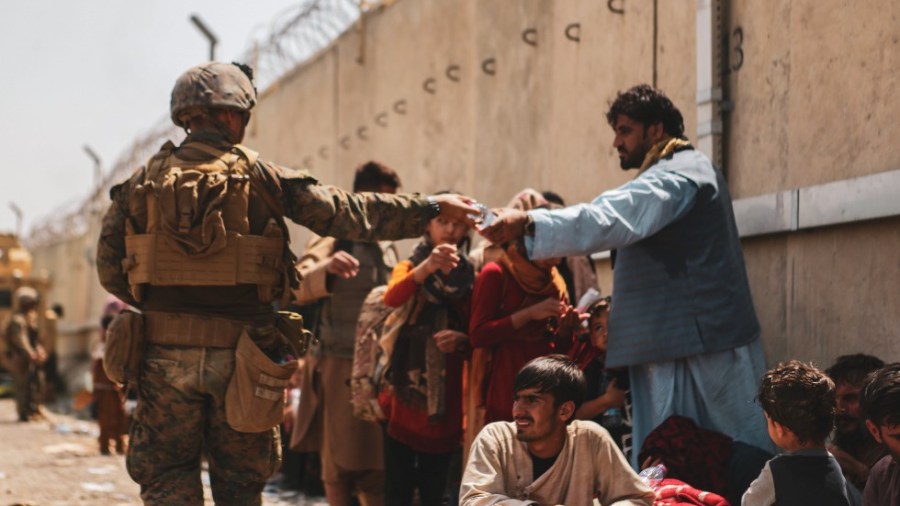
(634, 211)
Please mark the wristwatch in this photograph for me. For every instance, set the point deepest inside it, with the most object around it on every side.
(434, 207)
(529, 225)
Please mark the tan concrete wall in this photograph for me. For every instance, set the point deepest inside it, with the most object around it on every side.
(812, 104)
(829, 292)
(815, 98)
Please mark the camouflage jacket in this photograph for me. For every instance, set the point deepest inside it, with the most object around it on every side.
(21, 334)
(324, 209)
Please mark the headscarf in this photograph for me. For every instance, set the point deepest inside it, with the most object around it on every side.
(532, 278)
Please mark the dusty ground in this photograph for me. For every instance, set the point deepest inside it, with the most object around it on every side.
(57, 463)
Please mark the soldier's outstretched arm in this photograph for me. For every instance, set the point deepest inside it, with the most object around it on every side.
(111, 249)
(329, 210)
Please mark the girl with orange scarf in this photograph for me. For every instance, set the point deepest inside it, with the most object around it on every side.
(519, 312)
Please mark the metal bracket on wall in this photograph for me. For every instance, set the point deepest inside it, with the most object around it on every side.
(489, 66)
(381, 119)
(400, 107)
(615, 10)
(529, 36)
(363, 133)
(428, 85)
(452, 73)
(573, 32)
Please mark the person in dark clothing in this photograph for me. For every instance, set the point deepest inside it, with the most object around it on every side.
(880, 402)
(852, 445)
(799, 404)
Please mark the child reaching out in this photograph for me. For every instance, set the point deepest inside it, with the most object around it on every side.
(424, 405)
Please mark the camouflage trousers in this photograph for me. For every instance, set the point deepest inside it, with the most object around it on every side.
(180, 416)
(26, 383)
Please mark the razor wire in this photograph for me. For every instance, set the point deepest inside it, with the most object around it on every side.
(299, 33)
(295, 35)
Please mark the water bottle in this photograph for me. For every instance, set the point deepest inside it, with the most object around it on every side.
(652, 476)
(612, 417)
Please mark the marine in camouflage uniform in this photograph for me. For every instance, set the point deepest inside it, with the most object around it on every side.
(25, 353)
(181, 414)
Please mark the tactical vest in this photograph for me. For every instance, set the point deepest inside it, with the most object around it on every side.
(196, 230)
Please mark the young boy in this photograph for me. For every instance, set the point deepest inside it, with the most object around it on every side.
(799, 404)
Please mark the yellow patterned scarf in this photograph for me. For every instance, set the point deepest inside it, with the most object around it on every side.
(661, 150)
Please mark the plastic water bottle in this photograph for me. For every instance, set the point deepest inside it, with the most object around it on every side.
(653, 476)
(612, 417)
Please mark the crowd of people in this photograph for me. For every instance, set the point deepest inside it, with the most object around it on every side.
(499, 374)
(483, 329)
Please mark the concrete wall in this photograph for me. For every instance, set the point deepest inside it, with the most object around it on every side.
(812, 104)
(810, 82)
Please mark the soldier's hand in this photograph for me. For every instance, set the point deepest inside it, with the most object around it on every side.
(343, 265)
(41, 355)
(509, 225)
(457, 208)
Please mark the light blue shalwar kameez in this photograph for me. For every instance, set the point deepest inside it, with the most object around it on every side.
(682, 318)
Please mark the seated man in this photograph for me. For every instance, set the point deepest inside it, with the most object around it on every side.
(545, 457)
(853, 447)
(881, 408)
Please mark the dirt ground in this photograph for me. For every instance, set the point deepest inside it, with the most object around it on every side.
(58, 463)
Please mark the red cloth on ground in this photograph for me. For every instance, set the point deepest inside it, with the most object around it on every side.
(691, 453)
(672, 491)
(409, 424)
(497, 295)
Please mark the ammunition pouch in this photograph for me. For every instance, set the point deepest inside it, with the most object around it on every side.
(254, 400)
(125, 347)
(291, 326)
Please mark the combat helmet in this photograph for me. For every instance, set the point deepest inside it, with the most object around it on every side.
(214, 84)
(26, 295)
